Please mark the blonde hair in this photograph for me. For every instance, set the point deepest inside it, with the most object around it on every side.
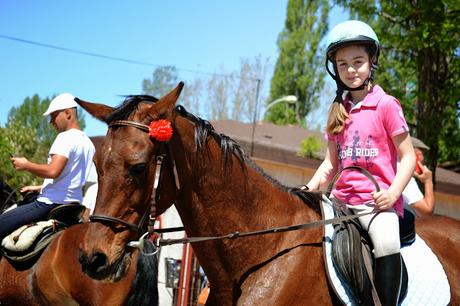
(337, 117)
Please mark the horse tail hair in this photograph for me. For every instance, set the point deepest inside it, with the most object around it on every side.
(144, 291)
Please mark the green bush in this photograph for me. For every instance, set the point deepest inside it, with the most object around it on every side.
(310, 147)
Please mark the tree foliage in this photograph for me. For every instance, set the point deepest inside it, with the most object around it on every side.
(299, 68)
(27, 133)
(420, 66)
(250, 79)
(163, 80)
(221, 96)
(310, 147)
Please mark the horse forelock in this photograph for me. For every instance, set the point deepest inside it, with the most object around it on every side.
(129, 105)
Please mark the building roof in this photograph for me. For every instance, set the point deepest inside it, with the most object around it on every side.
(282, 144)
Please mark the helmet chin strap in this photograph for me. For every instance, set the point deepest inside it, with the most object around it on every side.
(341, 87)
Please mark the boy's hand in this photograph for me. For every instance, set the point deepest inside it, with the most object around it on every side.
(26, 189)
(426, 174)
(19, 163)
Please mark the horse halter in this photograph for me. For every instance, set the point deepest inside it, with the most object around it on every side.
(154, 196)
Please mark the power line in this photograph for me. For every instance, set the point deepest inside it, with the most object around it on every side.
(113, 58)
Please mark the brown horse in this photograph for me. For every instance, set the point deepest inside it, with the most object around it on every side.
(57, 277)
(217, 190)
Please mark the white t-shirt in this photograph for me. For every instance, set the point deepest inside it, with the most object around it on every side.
(89, 198)
(412, 193)
(79, 151)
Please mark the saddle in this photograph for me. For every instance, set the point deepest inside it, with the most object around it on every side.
(351, 248)
(353, 258)
(27, 242)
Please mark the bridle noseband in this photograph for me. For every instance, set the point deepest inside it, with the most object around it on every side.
(154, 196)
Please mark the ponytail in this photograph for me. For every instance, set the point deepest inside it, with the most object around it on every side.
(337, 117)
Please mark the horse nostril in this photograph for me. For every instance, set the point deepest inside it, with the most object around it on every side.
(94, 265)
(98, 261)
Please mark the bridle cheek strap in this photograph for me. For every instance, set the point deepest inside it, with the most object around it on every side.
(153, 196)
(149, 215)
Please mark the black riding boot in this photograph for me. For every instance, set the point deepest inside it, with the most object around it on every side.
(387, 278)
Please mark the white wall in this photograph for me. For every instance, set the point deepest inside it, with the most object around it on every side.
(169, 219)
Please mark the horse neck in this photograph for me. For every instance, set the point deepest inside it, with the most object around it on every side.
(215, 202)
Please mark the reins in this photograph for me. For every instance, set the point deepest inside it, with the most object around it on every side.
(164, 242)
(281, 229)
(234, 235)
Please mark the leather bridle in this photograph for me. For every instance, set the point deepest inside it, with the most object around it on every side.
(148, 215)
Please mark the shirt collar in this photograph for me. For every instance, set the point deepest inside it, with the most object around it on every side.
(371, 99)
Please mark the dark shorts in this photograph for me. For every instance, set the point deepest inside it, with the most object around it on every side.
(407, 228)
(24, 214)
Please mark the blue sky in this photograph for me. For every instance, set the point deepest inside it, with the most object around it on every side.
(206, 35)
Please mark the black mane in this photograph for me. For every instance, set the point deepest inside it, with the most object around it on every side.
(230, 147)
(204, 129)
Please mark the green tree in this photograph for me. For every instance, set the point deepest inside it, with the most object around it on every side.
(299, 68)
(18, 140)
(251, 77)
(27, 133)
(164, 79)
(310, 147)
(420, 66)
(219, 95)
(29, 115)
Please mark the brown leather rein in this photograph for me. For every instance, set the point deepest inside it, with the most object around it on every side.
(154, 196)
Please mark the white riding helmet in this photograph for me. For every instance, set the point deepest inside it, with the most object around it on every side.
(347, 33)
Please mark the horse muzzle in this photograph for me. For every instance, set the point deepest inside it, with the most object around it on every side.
(97, 265)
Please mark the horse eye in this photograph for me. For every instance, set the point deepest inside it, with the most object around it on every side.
(137, 169)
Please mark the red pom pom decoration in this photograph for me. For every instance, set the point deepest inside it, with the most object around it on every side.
(161, 130)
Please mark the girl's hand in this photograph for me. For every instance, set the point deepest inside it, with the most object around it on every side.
(383, 199)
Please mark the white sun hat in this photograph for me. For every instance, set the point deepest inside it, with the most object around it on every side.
(62, 101)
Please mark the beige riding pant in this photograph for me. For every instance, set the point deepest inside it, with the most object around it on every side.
(383, 228)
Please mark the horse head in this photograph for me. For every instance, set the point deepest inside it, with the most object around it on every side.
(127, 163)
(215, 188)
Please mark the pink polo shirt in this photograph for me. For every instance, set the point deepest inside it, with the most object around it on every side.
(367, 142)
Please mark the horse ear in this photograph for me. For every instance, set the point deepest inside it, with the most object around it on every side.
(99, 111)
(168, 101)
